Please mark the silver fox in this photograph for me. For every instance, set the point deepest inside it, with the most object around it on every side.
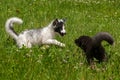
(39, 36)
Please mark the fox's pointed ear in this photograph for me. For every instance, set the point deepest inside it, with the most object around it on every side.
(55, 22)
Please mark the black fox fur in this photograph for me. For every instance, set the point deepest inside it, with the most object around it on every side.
(92, 46)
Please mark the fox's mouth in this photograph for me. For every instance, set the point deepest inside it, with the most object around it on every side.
(62, 34)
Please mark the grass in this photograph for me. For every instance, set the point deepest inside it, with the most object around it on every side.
(84, 17)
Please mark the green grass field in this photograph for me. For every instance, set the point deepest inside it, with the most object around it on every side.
(84, 17)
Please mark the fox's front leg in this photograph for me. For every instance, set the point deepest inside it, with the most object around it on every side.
(55, 42)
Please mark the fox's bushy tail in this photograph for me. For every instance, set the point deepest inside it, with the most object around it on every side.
(103, 36)
(9, 26)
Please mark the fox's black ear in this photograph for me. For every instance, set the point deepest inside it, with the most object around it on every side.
(55, 22)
